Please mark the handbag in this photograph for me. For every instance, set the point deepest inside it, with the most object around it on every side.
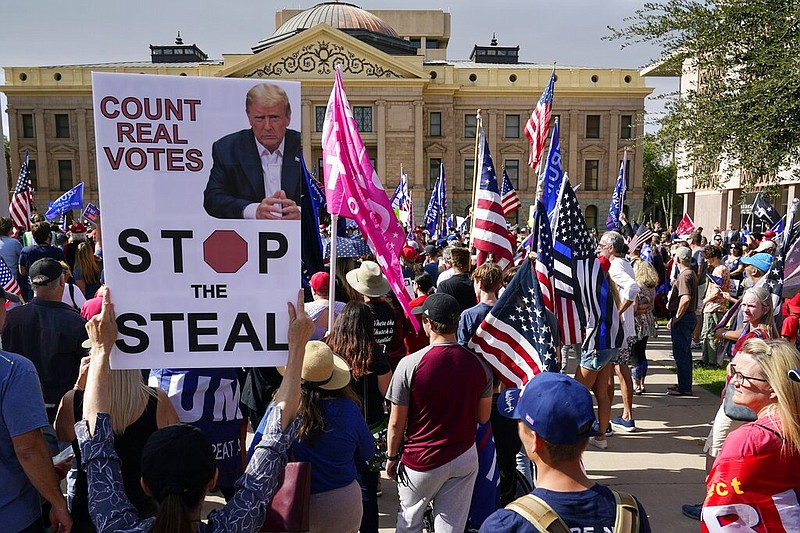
(734, 411)
(289, 509)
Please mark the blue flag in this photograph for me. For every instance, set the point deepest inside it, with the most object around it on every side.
(615, 208)
(311, 242)
(553, 174)
(443, 198)
(779, 226)
(72, 199)
(433, 212)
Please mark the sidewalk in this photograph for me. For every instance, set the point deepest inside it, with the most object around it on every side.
(662, 463)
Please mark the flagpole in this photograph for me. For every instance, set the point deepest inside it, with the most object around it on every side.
(332, 282)
(539, 180)
(479, 126)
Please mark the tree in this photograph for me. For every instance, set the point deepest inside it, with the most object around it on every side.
(7, 150)
(659, 175)
(747, 104)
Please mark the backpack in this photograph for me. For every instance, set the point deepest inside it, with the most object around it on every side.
(545, 520)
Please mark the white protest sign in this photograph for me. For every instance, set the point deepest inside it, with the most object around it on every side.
(191, 290)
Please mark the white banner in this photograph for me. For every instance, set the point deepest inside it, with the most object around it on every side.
(191, 290)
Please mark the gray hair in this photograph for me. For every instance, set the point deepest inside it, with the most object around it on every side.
(616, 240)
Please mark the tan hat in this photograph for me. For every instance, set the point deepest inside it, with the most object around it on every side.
(322, 368)
(368, 279)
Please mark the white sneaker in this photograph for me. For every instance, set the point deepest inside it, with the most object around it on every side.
(599, 444)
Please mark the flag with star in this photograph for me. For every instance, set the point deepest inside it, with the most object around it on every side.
(509, 196)
(583, 297)
(19, 208)
(765, 211)
(515, 337)
(489, 235)
(7, 279)
(433, 213)
(537, 126)
(542, 242)
(786, 263)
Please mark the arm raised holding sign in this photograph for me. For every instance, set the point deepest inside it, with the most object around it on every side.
(178, 465)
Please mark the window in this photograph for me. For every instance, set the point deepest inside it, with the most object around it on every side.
(62, 126)
(27, 126)
(319, 117)
(591, 174)
(432, 43)
(590, 214)
(512, 169)
(363, 116)
(34, 178)
(434, 172)
(626, 127)
(592, 126)
(320, 171)
(416, 43)
(512, 126)
(435, 120)
(65, 175)
(470, 126)
(469, 173)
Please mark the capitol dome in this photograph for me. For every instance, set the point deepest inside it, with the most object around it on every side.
(345, 17)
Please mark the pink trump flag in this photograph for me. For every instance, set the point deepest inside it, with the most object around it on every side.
(354, 190)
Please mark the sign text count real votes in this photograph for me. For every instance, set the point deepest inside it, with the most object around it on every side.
(190, 290)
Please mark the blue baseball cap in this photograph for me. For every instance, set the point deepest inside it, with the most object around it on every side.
(554, 405)
(761, 261)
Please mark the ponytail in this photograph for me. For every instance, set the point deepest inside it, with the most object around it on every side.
(174, 512)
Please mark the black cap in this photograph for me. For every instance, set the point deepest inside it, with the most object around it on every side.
(430, 249)
(8, 296)
(45, 270)
(177, 459)
(439, 307)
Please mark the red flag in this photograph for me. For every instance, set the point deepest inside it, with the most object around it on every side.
(354, 190)
(686, 227)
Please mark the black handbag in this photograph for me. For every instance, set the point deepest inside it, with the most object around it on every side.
(734, 411)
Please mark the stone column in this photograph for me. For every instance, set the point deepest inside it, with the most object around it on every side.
(613, 157)
(574, 164)
(83, 152)
(419, 152)
(42, 164)
(380, 156)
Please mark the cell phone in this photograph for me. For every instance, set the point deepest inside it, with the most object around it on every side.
(65, 455)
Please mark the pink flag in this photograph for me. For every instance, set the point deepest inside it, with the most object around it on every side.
(686, 227)
(354, 190)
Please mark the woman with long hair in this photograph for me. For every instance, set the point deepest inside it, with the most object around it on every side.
(86, 272)
(353, 338)
(178, 462)
(647, 279)
(136, 411)
(760, 461)
(333, 437)
(758, 322)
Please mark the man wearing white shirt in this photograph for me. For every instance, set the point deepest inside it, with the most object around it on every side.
(257, 172)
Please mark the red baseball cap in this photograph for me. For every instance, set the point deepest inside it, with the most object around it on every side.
(319, 282)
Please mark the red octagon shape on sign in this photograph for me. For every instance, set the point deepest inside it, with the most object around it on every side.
(225, 251)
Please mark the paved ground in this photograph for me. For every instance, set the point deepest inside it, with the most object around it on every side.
(662, 463)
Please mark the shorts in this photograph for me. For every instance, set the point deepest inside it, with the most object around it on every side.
(597, 359)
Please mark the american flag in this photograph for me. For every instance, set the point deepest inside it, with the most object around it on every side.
(490, 235)
(788, 248)
(515, 337)
(536, 128)
(642, 236)
(583, 296)
(19, 208)
(7, 279)
(509, 197)
(317, 192)
(542, 242)
(618, 198)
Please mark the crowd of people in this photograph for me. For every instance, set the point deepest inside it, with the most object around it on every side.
(371, 392)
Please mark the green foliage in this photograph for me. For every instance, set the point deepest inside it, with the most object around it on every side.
(659, 175)
(747, 106)
(7, 150)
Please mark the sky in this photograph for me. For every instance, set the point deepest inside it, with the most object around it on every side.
(47, 32)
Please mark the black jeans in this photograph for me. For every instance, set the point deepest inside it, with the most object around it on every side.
(368, 480)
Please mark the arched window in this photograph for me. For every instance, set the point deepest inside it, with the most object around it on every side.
(590, 213)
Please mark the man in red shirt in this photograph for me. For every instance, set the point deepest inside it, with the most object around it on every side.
(438, 395)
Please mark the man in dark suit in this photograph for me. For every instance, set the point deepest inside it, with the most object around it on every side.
(257, 172)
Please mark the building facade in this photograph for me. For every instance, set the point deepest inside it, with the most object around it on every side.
(416, 108)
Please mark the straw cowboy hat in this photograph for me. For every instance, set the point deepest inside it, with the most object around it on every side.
(368, 280)
(322, 368)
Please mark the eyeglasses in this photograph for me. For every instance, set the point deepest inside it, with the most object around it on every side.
(739, 378)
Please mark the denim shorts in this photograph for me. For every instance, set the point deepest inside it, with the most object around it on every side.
(597, 359)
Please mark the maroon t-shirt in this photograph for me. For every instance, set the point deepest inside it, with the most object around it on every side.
(442, 386)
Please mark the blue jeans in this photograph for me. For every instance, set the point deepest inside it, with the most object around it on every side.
(681, 334)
